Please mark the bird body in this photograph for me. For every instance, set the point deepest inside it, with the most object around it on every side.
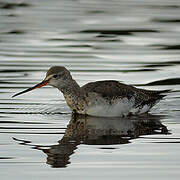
(111, 99)
(101, 98)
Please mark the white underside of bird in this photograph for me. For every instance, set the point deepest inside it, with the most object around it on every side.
(120, 107)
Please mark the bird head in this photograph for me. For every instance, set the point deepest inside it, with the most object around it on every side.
(56, 76)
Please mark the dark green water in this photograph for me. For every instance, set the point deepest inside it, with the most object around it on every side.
(135, 42)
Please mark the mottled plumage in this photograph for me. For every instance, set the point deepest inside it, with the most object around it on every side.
(113, 89)
(100, 98)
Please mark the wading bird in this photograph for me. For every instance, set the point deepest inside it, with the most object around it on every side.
(101, 98)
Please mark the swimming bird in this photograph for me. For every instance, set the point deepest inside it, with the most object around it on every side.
(107, 98)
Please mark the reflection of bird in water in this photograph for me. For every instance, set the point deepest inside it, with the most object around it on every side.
(100, 98)
(100, 131)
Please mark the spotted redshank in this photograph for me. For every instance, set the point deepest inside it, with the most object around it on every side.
(101, 98)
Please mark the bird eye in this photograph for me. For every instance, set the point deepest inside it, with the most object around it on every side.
(54, 76)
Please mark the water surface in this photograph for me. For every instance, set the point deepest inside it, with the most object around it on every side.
(135, 42)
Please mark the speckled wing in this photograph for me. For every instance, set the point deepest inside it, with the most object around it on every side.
(110, 89)
(114, 89)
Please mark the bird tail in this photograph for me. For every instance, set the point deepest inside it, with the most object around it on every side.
(163, 91)
(160, 93)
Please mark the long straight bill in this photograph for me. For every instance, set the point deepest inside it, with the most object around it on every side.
(43, 83)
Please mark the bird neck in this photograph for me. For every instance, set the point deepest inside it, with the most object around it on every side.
(71, 87)
(73, 95)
